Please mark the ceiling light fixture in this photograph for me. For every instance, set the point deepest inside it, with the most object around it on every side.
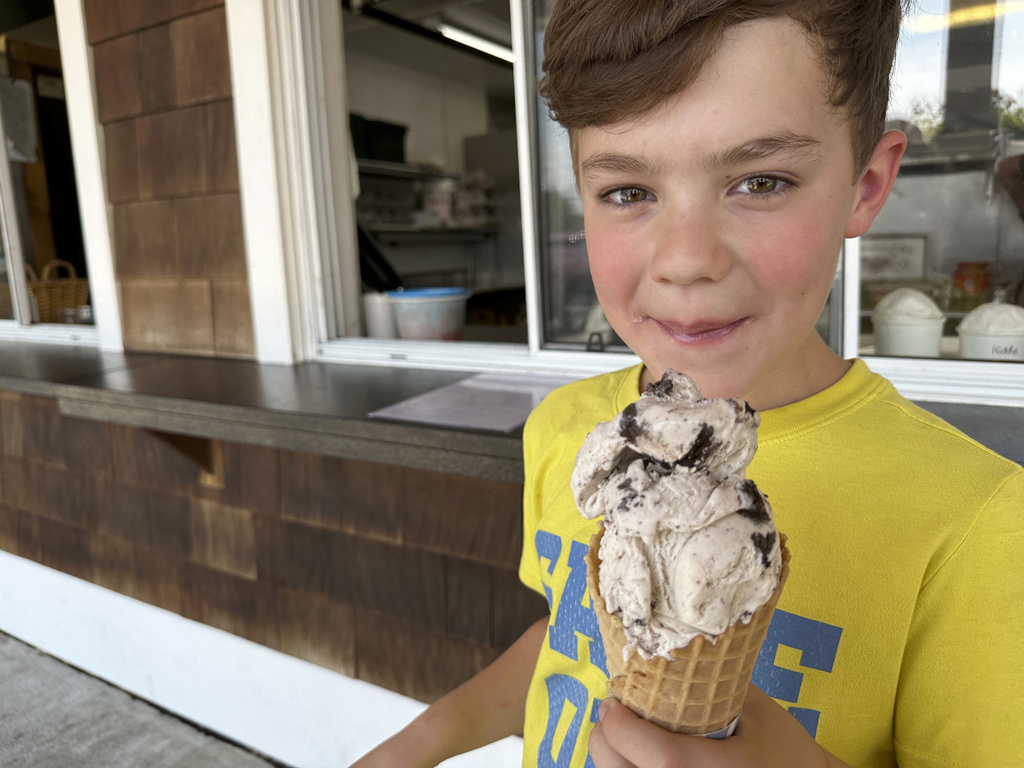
(474, 41)
(983, 13)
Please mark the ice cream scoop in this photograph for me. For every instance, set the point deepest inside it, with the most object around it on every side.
(994, 319)
(907, 324)
(905, 305)
(993, 332)
(689, 545)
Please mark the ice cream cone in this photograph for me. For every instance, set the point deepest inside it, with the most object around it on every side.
(701, 688)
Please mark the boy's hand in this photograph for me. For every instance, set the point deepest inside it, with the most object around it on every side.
(767, 736)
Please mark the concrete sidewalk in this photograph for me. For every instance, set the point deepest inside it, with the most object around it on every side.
(55, 716)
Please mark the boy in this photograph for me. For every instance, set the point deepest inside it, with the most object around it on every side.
(723, 150)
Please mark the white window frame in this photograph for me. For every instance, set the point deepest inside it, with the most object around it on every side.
(87, 150)
(287, 68)
(293, 125)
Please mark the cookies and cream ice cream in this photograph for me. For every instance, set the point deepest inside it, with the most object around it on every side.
(689, 546)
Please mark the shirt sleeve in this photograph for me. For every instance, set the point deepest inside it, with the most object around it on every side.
(961, 690)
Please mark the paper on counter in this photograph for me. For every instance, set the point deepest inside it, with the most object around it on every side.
(489, 401)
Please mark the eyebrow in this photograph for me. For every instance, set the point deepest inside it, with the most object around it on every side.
(785, 143)
(610, 162)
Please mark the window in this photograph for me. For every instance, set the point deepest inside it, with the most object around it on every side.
(43, 272)
(942, 269)
(957, 94)
(445, 146)
(432, 118)
(402, 87)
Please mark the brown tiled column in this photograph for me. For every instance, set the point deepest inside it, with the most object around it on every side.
(163, 88)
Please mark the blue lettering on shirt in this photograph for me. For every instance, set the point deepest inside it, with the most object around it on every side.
(573, 616)
(569, 617)
(549, 547)
(562, 690)
(818, 643)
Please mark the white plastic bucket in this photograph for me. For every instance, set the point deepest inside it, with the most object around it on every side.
(918, 339)
(435, 314)
(977, 346)
(380, 317)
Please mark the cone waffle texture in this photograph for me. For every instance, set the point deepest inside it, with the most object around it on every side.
(701, 689)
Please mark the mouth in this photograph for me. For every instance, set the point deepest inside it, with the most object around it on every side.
(702, 331)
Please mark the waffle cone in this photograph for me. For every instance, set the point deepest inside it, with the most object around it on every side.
(702, 687)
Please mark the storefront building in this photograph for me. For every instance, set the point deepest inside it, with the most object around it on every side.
(194, 501)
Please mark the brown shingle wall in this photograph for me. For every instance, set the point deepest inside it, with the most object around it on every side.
(401, 577)
(163, 90)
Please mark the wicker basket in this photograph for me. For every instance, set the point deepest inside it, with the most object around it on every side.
(54, 293)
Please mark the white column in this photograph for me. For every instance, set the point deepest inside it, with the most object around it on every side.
(87, 148)
(262, 203)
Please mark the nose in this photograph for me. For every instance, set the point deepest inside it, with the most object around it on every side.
(688, 246)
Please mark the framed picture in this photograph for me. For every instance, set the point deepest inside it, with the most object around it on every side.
(892, 257)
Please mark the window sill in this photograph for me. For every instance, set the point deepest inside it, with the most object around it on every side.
(471, 356)
(966, 382)
(84, 335)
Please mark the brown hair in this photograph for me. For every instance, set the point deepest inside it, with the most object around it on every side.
(607, 61)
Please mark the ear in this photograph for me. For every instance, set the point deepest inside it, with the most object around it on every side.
(876, 181)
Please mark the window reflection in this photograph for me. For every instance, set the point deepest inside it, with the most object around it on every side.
(949, 243)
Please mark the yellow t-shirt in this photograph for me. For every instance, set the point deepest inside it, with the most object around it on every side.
(898, 639)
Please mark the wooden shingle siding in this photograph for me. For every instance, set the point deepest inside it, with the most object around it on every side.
(401, 577)
(164, 97)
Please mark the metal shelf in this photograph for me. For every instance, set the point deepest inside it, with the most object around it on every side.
(400, 170)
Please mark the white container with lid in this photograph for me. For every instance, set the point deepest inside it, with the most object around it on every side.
(907, 323)
(379, 315)
(993, 332)
(437, 314)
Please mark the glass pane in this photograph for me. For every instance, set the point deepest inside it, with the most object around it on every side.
(433, 130)
(942, 268)
(6, 304)
(44, 205)
(572, 316)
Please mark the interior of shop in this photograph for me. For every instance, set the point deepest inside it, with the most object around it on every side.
(949, 244)
(433, 129)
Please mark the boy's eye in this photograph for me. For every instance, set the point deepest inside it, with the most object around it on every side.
(627, 195)
(761, 185)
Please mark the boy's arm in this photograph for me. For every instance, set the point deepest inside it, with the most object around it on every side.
(484, 709)
(767, 737)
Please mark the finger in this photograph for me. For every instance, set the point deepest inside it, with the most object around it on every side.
(642, 743)
(602, 753)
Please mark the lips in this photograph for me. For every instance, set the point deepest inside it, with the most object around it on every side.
(702, 331)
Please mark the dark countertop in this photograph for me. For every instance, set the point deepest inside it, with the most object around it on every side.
(316, 407)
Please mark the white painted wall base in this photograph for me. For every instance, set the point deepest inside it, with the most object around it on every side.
(289, 709)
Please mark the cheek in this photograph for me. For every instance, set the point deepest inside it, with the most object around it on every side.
(612, 263)
(798, 261)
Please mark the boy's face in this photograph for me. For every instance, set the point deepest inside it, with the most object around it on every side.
(714, 223)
